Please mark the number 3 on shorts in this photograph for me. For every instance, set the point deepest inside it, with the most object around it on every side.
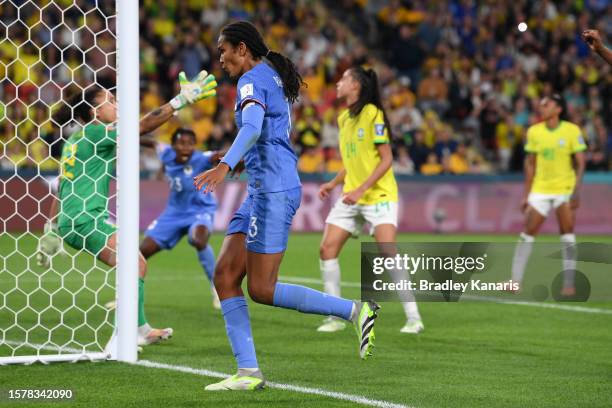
(253, 227)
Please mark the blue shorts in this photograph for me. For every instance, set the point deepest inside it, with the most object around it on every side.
(168, 229)
(266, 220)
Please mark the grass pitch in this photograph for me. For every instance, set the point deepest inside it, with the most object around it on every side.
(470, 354)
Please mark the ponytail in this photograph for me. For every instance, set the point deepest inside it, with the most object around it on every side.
(243, 31)
(369, 93)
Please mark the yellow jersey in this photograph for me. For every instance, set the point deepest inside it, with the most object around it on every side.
(358, 139)
(554, 149)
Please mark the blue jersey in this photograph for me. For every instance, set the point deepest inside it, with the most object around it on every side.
(184, 198)
(271, 163)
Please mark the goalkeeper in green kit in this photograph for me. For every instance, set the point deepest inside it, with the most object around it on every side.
(88, 161)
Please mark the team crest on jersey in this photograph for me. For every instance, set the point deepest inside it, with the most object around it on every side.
(360, 134)
(561, 142)
(188, 170)
(246, 90)
(379, 129)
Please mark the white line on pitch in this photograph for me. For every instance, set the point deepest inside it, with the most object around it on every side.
(216, 374)
(286, 387)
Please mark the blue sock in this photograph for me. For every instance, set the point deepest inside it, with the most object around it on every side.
(238, 327)
(308, 300)
(207, 260)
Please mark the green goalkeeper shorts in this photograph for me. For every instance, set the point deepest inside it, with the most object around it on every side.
(91, 236)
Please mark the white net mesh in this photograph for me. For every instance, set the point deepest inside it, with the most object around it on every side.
(50, 50)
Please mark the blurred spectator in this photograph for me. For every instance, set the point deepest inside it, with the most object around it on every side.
(403, 164)
(431, 166)
(193, 56)
(407, 54)
(329, 130)
(308, 129)
(457, 163)
(433, 92)
(445, 144)
(202, 125)
(333, 163)
(506, 132)
(418, 150)
(473, 72)
(149, 161)
(489, 118)
(311, 160)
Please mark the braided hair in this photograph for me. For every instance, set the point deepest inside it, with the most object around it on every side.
(243, 31)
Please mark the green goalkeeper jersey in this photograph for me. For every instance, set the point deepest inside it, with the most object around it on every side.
(88, 162)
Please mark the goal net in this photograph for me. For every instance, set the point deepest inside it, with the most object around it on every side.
(51, 308)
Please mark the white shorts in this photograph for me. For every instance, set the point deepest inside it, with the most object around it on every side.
(353, 217)
(543, 203)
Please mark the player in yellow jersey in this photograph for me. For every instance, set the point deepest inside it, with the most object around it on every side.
(553, 174)
(370, 191)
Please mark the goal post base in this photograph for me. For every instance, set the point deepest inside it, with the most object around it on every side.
(50, 358)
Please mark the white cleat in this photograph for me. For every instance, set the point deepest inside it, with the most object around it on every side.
(331, 325)
(414, 327)
(155, 336)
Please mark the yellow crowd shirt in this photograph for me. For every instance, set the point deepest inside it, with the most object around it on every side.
(358, 139)
(554, 149)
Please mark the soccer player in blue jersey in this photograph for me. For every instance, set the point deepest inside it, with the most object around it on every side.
(257, 234)
(188, 212)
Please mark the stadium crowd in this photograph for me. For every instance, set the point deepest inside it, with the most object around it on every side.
(461, 84)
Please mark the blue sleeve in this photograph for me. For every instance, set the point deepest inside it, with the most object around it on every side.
(250, 89)
(252, 122)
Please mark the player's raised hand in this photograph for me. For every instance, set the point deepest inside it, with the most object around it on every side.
(593, 39)
(202, 87)
(211, 178)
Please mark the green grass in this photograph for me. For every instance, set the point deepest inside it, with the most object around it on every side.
(471, 354)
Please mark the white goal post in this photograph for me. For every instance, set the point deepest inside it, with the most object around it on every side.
(56, 312)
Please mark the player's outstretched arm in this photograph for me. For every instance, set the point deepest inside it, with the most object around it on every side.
(595, 43)
(202, 87)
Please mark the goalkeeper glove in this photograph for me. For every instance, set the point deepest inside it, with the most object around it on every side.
(48, 245)
(202, 87)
